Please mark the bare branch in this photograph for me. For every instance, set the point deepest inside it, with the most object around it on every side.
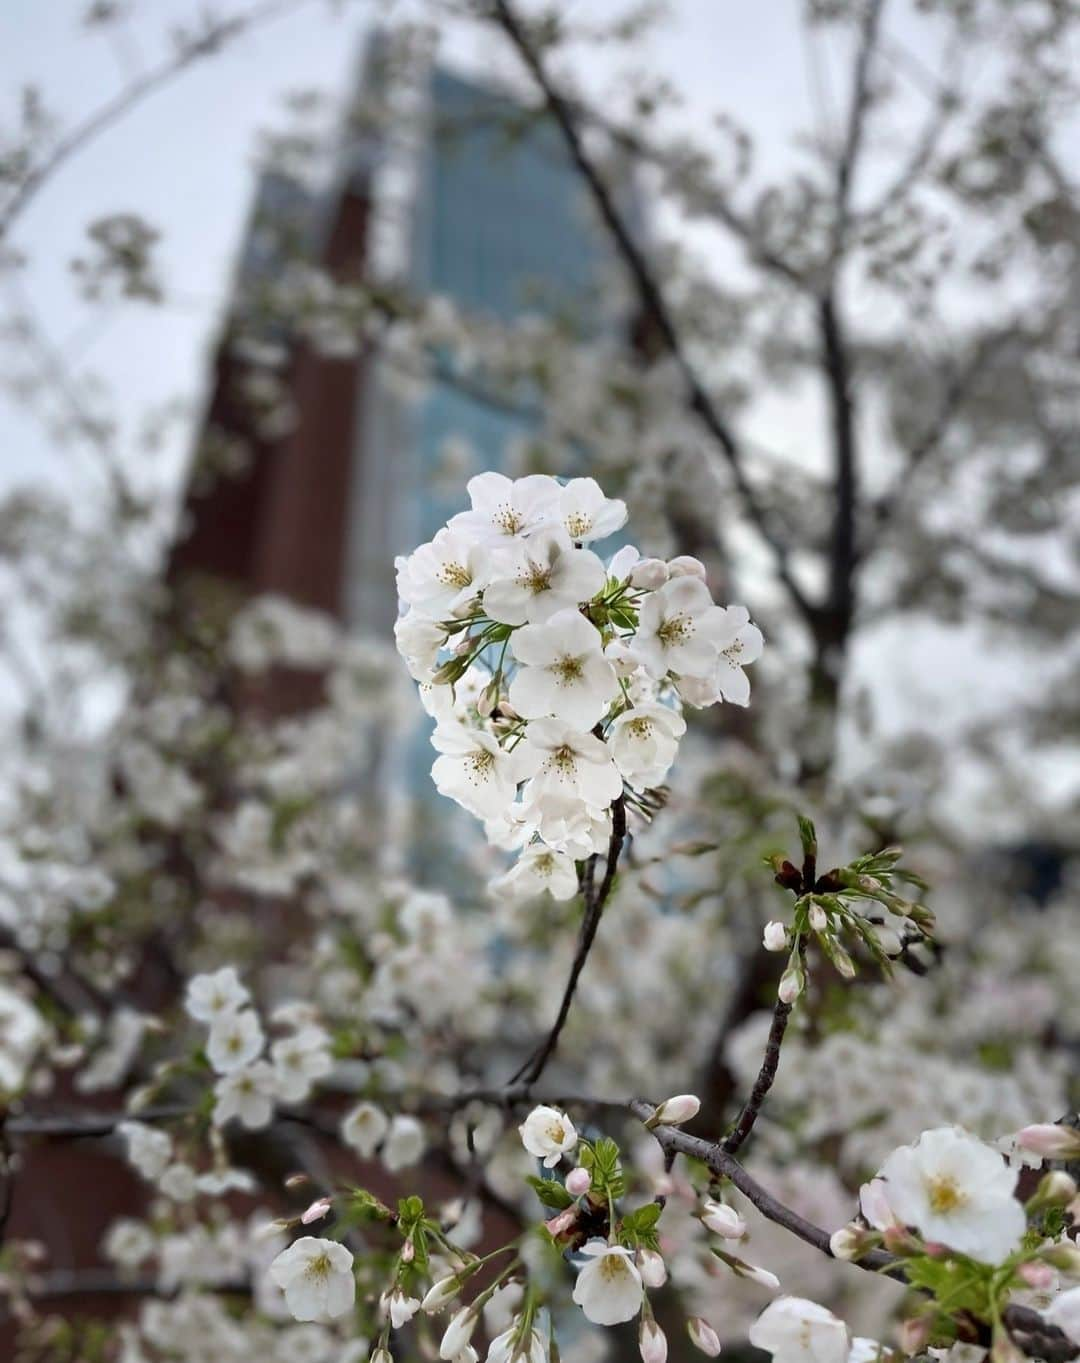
(652, 301)
(594, 908)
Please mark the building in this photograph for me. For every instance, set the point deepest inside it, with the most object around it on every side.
(456, 192)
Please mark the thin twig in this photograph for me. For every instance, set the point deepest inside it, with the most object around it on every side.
(594, 908)
(766, 1075)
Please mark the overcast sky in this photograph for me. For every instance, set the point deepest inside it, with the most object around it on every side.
(184, 160)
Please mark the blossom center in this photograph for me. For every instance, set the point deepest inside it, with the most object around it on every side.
(943, 1194)
(568, 670)
(612, 1266)
(480, 763)
(319, 1266)
(640, 728)
(564, 759)
(455, 575)
(578, 525)
(508, 520)
(536, 578)
(676, 629)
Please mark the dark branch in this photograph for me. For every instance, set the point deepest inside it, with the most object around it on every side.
(595, 899)
(651, 299)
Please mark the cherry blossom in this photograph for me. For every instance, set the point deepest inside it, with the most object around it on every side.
(363, 1127)
(586, 514)
(217, 995)
(794, 1330)
(539, 870)
(956, 1191)
(235, 1040)
(558, 758)
(246, 1094)
(316, 1277)
(608, 1287)
(443, 576)
(548, 1134)
(540, 577)
(473, 770)
(563, 671)
(505, 509)
(681, 630)
(644, 742)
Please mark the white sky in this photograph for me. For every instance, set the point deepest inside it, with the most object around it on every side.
(184, 160)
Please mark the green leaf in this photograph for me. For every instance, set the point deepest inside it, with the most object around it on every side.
(550, 1192)
(807, 836)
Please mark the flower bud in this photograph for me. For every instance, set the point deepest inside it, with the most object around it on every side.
(316, 1211)
(1050, 1141)
(1056, 1189)
(652, 1342)
(819, 919)
(775, 936)
(791, 984)
(686, 566)
(1036, 1275)
(674, 1111)
(578, 1181)
(648, 574)
(914, 1334)
(703, 1336)
(440, 1294)
(652, 1268)
(382, 1356)
(850, 1242)
(723, 1220)
(408, 1251)
(458, 1332)
(1065, 1257)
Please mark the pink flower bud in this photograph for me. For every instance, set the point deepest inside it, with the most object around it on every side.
(316, 1211)
(408, 1251)
(1037, 1275)
(914, 1334)
(703, 1336)
(561, 1221)
(578, 1181)
(1052, 1142)
(651, 1267)
(652, 1342)
(775, 936)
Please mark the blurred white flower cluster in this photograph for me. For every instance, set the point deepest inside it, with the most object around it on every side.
(557, 680)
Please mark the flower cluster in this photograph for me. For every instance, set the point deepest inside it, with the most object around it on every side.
(557, 680)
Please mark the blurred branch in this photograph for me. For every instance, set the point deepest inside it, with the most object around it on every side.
(216, 35)
(652, 301)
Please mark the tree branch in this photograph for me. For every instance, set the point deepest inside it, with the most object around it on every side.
(594, 908)
(652, 300)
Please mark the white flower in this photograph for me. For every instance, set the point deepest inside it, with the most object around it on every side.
(539, 869)
(401, 1308)
(648, 574)
(563, 671)
(608, 1288)
(680, 630)
(644, 742)
(794, 1330)
(148, 1151)
(957, 1191)
(541, 576)
(459, 1332)
(129, 1243)
(213, 996)
(299, 1060)
(235, 1040)
(685, 565)
(247, 1094)
(1064, 1312)
(179, 1181)
(586, 514)
(684, 1107)
(404, 1144)
(418, 640)
(650, 1264)
(564, 761)
(316, 1277)
(442, 577)
(739, 644)
(509, 1348)
(564, 820)
(473, 770)
(441, 1293)
(548, 1134)
(505, 509)
(363, 1127)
